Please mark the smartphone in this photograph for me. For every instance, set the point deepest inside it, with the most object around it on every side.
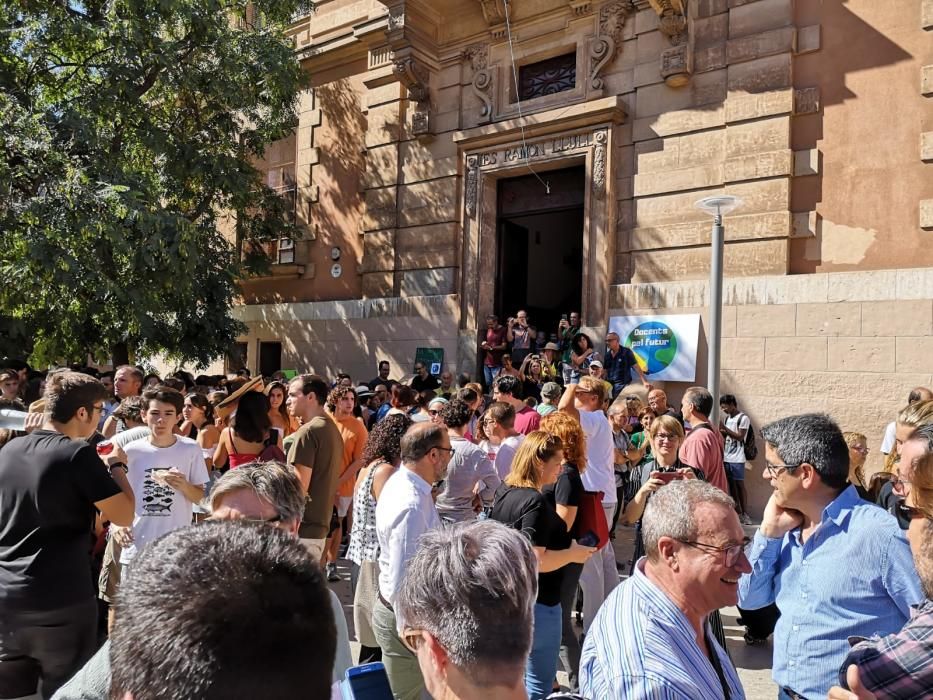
(563, 317)
(367, 682)
(667, 477)
(589, 539)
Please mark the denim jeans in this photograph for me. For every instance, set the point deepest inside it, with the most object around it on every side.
(569, 644)
(545, 646)
(490, 374)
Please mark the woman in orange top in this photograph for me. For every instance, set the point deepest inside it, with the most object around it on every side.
(340, 403)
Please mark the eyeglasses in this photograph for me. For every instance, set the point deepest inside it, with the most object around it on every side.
(732, 552)
(910, 512)
(900, 485)
(862, 449)
(411, 638)
(774, 470)
(97, 408)
(666, 437)
(446, 449)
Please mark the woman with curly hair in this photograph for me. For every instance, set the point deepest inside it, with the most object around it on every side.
(565, 495)
(381, 455)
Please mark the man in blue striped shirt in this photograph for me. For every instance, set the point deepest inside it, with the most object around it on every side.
(836, 565)
(651, 640)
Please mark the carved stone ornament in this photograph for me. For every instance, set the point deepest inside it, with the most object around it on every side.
(673, 19)
(415, 78)
(396, 19)
(608, 37)
(599, 164)
(493, 11)
(472, 186)
(478, 54)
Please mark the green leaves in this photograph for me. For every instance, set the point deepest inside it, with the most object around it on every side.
(130, 132)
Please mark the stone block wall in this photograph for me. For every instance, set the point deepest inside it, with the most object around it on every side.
(328, 337)
(852, 345)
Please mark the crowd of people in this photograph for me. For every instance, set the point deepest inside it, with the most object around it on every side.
(174, 536)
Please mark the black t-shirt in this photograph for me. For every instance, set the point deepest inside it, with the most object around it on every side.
(566, 491)
(430, 383)
(49, 486)
(528, 511)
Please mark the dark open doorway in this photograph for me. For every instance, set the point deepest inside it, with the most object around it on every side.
(270, 358)
(540, 247)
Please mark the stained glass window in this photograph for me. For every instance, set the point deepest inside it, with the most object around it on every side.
(547, 77)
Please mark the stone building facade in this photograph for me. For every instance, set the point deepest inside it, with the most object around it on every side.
(413, 144)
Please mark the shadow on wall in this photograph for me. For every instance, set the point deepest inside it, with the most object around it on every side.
(849, 45)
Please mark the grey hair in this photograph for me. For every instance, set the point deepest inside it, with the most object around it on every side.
(671, 511)
(812, 438)
(472, 586)
(273, 482)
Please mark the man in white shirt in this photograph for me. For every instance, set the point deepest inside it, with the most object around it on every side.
(584, 402)
(499, 423)
(406, 511)
(167, 473)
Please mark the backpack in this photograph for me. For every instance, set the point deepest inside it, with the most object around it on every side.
(751, 447)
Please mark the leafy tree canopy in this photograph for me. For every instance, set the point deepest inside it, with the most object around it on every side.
(130, 133)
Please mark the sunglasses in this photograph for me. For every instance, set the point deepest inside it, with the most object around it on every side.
(909, 512)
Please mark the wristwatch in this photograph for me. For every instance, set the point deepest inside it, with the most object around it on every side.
(118, 465)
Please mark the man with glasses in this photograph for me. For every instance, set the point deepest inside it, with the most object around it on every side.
(482, 572)
(837, 566)
(53, 484)
(406, 511)
(264, 493)
(423, 379)
(651, 638)
(619, 362)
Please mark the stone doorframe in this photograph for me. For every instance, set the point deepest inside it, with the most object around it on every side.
(582, 135)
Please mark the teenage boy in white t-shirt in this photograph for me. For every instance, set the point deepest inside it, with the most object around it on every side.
(167, 473)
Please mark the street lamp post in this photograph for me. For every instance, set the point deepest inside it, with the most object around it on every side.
(716, 207)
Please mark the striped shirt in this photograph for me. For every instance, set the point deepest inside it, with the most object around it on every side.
(642, 647)
(854, 577)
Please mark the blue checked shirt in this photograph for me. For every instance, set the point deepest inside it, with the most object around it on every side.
(641, 647)
(854, 577)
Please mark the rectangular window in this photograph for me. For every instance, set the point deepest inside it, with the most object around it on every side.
(286, 251)
(547, 77)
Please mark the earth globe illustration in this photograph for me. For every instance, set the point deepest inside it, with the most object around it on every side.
(654, 345)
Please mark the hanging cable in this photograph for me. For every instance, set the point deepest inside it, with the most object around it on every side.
(518, 100)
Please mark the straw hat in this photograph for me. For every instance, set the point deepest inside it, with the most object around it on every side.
(229, 404)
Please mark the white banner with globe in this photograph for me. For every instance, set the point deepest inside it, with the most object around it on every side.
(664, 346)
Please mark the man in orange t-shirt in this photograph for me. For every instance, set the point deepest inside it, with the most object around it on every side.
(340, 402)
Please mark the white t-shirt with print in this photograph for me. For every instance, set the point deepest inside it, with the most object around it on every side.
(159, 508)
(735, 449)
(600, 455)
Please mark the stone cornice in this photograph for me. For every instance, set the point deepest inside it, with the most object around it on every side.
(606, 109)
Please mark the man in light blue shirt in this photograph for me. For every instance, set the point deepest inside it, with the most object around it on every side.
(836, 565)
(651, 639)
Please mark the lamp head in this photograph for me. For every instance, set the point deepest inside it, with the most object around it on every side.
(719, 205)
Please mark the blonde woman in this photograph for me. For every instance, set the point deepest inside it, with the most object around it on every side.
(858, 451)
(915, 415)
(520, 504)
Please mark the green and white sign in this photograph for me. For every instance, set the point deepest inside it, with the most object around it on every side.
(664, 346)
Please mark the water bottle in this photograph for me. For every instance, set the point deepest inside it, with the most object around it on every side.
(11, 419)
